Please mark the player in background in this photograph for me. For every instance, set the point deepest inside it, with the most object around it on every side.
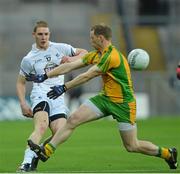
(116, 98)
(178, 71)
(43, 57)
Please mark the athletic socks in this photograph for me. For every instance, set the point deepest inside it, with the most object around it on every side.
(28, 156)
(164, 153)
(49, 149)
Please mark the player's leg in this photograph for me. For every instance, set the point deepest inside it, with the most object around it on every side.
(54, 125)
(58, 114)
(128, 134)
(26, 165)
(41, 122)
(57, 122)
(125, 114)
(82, 115)
(85, 113)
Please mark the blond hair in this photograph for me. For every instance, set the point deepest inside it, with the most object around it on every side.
(40, 24)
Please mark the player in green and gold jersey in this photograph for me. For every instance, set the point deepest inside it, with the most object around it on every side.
(116, 98)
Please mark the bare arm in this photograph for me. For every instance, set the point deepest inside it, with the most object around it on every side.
(79, 53)
(58, 90)
(21, 92)
(94, 71)
(65, 68)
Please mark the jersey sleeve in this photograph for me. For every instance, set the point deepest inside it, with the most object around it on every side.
(25, 67)
(67, 49)
(89, 58)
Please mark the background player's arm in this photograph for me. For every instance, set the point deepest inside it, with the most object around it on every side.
(21, 92)
(178, 71)
(94, 71)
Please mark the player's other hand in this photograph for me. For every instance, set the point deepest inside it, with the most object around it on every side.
(56, 91)
(36, 78)
(26, 110)
(178, 72)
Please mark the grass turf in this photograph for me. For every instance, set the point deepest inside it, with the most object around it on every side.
(93, 147)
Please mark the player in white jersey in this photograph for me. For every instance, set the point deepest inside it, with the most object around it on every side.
(43, 57)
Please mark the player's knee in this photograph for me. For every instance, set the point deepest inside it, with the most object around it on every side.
(43, 129)
(131, 147)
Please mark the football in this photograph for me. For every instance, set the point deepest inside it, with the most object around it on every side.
(138, 59)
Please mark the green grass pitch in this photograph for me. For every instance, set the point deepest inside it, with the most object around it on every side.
(93, 147)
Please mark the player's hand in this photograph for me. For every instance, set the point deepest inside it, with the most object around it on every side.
(36, 78)
(178, 72)
(26, 110)
(56, 91)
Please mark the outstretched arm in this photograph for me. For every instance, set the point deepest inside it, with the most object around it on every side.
(80, 79)
(65, 68)
(94, 71)
(61, 69)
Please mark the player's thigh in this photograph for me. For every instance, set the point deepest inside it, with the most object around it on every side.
(41, 115)
(83, 114)
(58, 114)
(57, 124)
(41, 119)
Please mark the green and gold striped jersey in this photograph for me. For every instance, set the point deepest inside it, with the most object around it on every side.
(117, 82)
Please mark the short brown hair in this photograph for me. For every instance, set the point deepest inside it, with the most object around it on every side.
(102, 29)
(40, 24)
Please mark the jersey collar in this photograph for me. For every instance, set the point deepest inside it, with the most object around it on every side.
(107, 48)
(34, 47)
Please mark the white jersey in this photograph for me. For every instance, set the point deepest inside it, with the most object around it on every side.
(41, 61)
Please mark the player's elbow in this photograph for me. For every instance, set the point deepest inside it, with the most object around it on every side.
(83, 51)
